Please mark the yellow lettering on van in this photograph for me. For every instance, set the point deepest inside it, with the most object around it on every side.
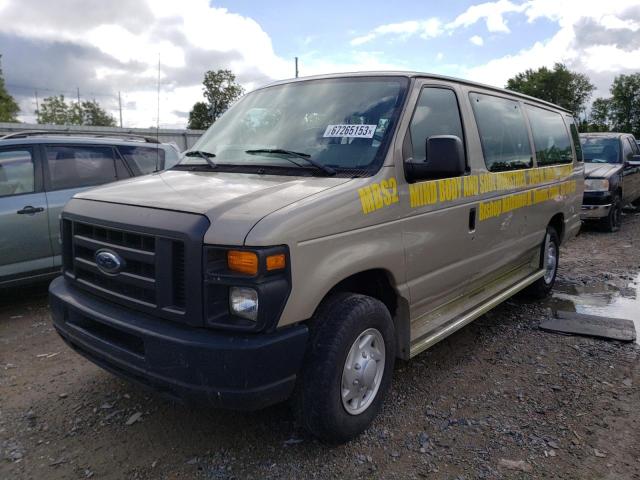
(471, 186)
(366, 199)
(386, 192)
(377, 195)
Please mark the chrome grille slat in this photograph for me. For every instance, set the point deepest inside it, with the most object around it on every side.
(130, 278)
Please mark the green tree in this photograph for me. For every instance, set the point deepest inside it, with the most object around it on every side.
(600, 118)
(93, 114)
(559, 85)
(199, 117)
(625, 104)
(220, 91)
(8, 107)
(55, 110)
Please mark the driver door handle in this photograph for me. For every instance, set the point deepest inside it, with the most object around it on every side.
(29, 210)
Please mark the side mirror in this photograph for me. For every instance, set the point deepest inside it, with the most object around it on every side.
(635, 161)
(445, 158)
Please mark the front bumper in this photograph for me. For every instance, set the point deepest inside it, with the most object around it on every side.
(595, 205)
(238, 371)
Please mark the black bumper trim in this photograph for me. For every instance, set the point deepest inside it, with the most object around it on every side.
(195, 365)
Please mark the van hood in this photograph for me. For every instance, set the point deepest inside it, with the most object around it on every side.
(233, 202)
(600, 170)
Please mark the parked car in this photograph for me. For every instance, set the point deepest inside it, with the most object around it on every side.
(319, 229)
(612, 170)
(40, 172)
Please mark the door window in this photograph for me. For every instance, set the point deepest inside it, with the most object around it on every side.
(503, 133)
(80, 166)
(437, 113)
(575, 137)
(147, 159)
(627, 152)
(635, 150)
(550, 137)
(16, 172)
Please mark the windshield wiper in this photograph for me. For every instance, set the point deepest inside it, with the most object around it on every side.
(207, 156)
(305, 156)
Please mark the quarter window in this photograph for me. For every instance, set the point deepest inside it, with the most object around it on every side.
(437, 113)
(550, 137)
(147, 159)
(16, 172)
(503, 133)
(80, 166)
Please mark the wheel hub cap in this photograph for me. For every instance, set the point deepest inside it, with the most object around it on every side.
(362, 372)
(551, 260)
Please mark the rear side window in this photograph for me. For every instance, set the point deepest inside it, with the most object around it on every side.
(16, 172)
(627, 152)
(550, 137)
(80, 166)
(503, 133)
(437, 113)
(147, 159)
(634, 146)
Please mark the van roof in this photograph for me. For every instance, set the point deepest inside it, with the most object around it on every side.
(411, 74)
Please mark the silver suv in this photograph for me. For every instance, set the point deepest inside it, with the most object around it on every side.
(40, 172)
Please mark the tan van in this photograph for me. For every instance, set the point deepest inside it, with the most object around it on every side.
(320, 229)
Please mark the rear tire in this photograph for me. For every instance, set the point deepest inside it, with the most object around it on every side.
(612, 221)
(549, 259)
(347, 368)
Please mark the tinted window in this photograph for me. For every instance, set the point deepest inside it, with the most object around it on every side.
(601, 150)
(575, 137)
(16, 172)
(550, 137)
(503, 133)
(436, 114)
(634, 146)
(147, 159)
(80, 166)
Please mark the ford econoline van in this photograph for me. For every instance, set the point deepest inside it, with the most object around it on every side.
(320, 229)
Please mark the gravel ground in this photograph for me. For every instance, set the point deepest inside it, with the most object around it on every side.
(498, 399)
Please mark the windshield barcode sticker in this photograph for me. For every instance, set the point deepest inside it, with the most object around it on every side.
(355, 131)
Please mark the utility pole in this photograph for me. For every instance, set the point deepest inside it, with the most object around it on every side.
(120, 108)
(296, 67)
(37, 105)
(78, 89)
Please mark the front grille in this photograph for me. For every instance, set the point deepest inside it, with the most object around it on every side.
(153, 274)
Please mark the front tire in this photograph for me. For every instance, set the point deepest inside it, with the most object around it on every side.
(549, 259)
(612, 222)
(347, 369)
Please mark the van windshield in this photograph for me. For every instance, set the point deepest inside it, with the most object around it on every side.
(600, 150)
(341, 123)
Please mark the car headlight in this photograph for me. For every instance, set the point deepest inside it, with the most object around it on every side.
(596, 185)
(245, 288)
(243, 302)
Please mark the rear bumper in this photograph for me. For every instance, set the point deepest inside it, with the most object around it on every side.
(238, 371)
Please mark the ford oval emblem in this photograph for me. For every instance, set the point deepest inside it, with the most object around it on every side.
(108, 261)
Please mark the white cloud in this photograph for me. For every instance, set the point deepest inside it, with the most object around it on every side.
(491, 12)
(477, 40)
(430, 28)
(565, 47)
(439, 56)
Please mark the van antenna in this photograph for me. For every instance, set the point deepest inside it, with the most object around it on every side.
(158, 120)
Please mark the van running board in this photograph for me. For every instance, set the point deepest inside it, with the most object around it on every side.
(426, 342)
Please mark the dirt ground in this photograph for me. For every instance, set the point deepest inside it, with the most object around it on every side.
(499, 399)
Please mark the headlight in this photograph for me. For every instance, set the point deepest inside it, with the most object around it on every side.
(596, 185)
(243, 302)
(245, 288)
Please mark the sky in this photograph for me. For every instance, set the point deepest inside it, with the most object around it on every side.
(100, 48)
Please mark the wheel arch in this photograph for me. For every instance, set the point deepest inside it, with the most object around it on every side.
(380, 284)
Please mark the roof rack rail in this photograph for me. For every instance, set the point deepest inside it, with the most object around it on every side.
(71, 133)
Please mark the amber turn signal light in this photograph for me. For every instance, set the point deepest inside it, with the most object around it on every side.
(242, 262)
(276, 262)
